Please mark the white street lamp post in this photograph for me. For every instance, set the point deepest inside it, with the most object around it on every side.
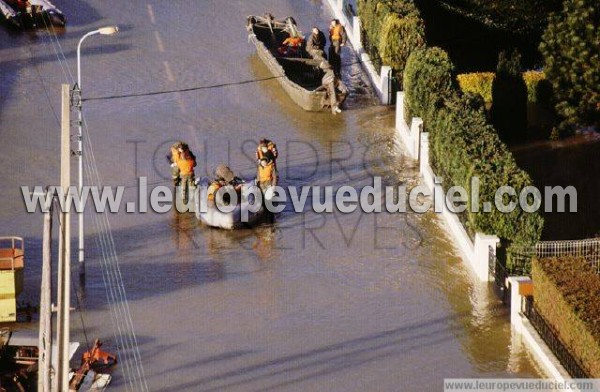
(109, 30)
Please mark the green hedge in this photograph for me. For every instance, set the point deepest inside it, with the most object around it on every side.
(464, 145)
(538, 89)
(428, 76)
(393, 30)
(566, 294)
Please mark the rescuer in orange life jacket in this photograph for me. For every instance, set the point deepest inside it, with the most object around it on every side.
(337, 37)
(182, 161)
(266, 175)
(291, 46)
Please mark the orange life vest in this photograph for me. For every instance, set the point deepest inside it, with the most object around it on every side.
(212, 190)
(265, 173)
(294, 42)
(186, 166)
(175, 154)
(336, 32)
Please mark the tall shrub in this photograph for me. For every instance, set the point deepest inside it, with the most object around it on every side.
(427, 82)
(463, 145)
(509, 97)
(399, 37)
(393, 28)
(571, 50)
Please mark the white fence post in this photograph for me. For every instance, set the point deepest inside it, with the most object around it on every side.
(384, 76)
(416, 128)
(357, 42)
(484, 243)
(516, 299)
(400, 110)
(424, 158)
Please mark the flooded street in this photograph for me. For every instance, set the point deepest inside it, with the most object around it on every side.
(312, 302)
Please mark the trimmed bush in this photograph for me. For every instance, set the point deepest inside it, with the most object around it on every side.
(571, 50)
(538, 88)
(477, 83)
(393, 30)
(509, 97)
(428, 77)
(566, 294)
(399, 37)
(464, 145)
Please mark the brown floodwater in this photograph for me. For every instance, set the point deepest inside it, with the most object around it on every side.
(312, 302)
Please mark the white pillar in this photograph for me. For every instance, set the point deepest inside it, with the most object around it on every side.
(516, 299)
(400, 110)
(424, 158)
(356, 39)
(481, 254)
(384, 76)
(416, 128)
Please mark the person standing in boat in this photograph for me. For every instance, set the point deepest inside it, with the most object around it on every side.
(267, 174)
(337, 37)
(315, 46)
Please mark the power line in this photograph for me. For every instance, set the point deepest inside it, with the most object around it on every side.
(198, 88)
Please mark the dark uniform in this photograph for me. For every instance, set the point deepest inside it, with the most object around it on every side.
(315, 45)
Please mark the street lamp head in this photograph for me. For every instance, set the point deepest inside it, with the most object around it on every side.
(108, 30)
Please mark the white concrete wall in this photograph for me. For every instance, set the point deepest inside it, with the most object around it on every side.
(476, 253)
(525, 333)
(380, 80)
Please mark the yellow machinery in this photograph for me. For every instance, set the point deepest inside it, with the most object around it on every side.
(12, 261)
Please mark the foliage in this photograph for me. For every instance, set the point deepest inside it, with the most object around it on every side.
(509, 97)
(393, 30)
(464, 145)
(538, 90)
(428, 77)
(477, 83)
(571, 50)
(399, 37)
(518, 16)
(566, 295)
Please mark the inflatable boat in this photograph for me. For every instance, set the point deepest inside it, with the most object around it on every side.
(230, 217)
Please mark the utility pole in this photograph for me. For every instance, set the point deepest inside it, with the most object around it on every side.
(108, 30)
(64, 250)
(45, 336)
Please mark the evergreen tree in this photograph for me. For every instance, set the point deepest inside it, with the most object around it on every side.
(509, 98)
(571, 50)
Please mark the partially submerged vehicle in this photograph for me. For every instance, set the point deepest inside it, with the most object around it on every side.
(299, 75)
(29, 14)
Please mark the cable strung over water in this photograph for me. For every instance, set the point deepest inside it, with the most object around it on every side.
(208, 87)
(123, 330)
